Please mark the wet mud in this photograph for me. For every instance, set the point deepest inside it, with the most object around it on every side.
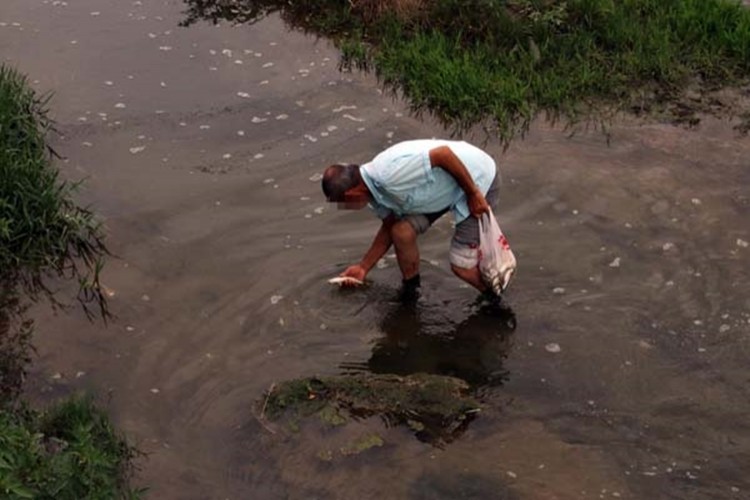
(622, 372)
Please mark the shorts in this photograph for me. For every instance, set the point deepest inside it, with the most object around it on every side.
(464, 251)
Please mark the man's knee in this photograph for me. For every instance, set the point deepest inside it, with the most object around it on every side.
(402, 233)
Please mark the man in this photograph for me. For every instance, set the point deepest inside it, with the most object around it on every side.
(409, 186)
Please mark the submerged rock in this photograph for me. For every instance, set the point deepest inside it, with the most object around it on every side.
(437, 408)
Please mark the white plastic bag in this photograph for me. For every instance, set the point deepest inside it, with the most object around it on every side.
(496, 260)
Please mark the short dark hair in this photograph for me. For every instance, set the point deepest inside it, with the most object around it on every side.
(338, 179)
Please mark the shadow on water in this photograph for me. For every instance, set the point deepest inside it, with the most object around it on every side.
(415, 341)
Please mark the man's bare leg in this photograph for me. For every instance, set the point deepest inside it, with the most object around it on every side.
(471, 276)
(404, 239)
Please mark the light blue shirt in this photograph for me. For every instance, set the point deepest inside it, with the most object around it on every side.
(402, 180)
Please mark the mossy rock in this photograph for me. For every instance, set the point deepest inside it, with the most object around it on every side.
(362, 444)
(436, 407)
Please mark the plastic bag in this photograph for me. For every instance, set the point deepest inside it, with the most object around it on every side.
(497, 264)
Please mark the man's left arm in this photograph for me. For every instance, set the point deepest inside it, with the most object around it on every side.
(446, 159)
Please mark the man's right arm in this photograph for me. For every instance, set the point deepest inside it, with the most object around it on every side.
(444, 157)
(380, 245)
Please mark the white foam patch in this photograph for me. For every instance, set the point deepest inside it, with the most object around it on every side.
(553, 347)
(343, 108)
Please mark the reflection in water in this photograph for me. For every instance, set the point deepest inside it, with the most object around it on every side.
(473, 350)
(217, 10)
(461, 484)
(296, 14)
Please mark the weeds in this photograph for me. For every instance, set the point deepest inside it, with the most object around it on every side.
(69, 452)
(15, 349)
(44, 235)
(501, 63)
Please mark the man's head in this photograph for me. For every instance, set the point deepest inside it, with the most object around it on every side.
(343, 184)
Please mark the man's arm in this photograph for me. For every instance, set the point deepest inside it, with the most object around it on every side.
(380, 244)
(446, 159)
(378, 248)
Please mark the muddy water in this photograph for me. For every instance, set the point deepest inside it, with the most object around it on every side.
(621, 372)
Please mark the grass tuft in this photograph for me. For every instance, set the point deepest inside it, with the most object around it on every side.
(43, 233)
(67, 453)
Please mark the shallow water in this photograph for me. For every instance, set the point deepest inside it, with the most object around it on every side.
(633, 261)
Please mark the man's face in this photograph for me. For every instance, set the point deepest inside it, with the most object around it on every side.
(354, 199)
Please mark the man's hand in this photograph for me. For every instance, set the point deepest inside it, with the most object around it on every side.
(478, 205)
(356, 271)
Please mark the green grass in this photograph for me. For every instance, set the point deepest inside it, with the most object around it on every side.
(44, 235)
(501, 63)
(69, 452)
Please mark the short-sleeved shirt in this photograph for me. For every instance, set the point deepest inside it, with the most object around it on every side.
(402, 181)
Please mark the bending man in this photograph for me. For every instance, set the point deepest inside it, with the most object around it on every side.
(409, 186)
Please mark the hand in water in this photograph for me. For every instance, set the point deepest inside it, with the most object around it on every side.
(357, 272)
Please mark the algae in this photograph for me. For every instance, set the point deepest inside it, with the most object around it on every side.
(437, 408)
(330, 415)
(362, 444)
